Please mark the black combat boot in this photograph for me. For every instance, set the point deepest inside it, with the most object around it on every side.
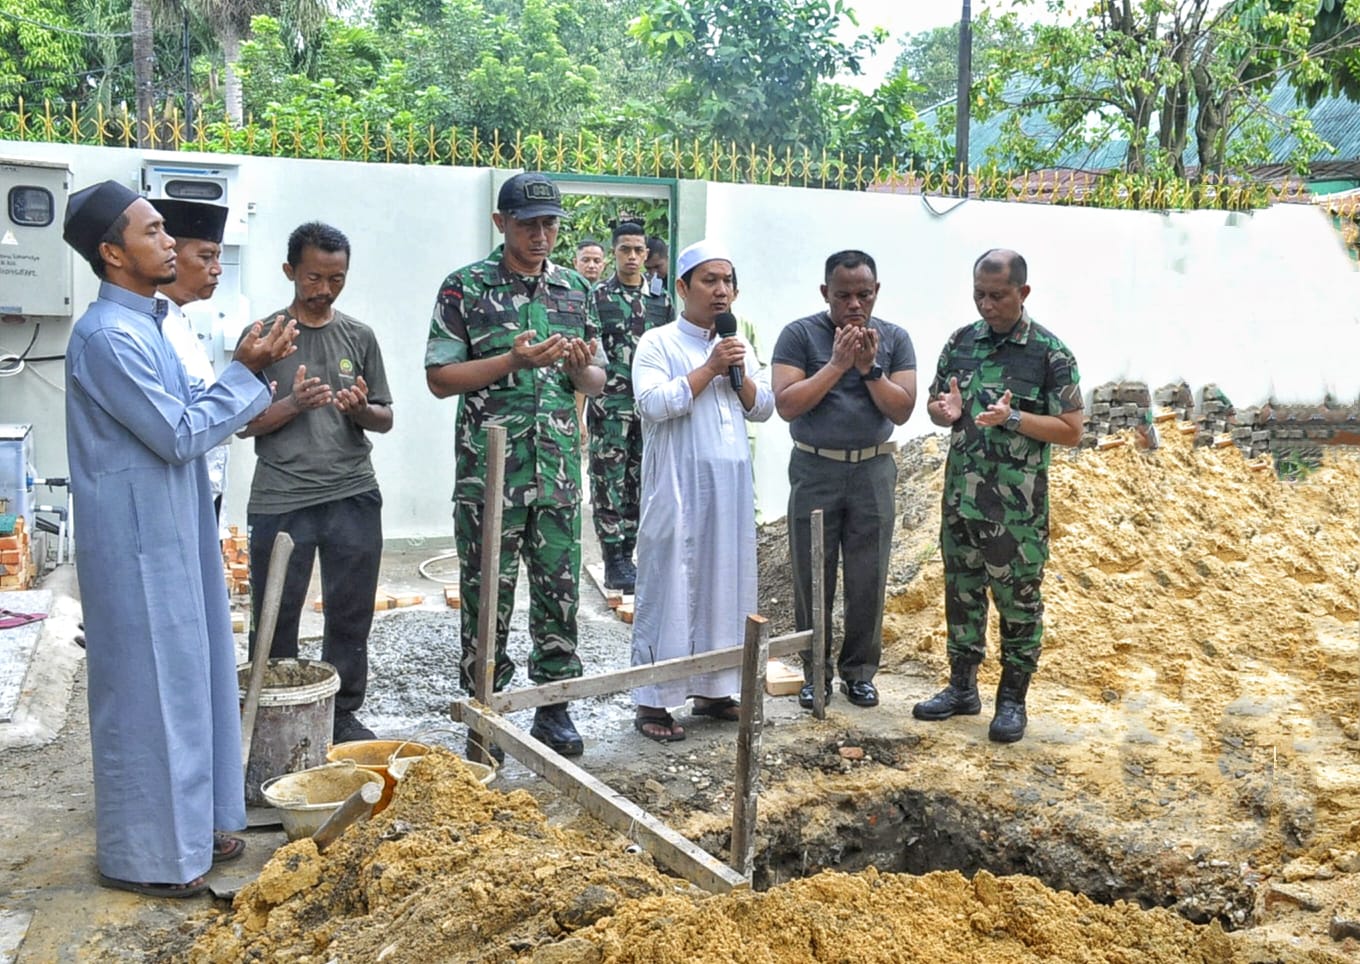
(629, 567)
(618, 570)
(554, 727)
(959, 698)
(1008, 723)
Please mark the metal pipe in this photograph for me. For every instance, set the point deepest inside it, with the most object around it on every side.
(964, 102)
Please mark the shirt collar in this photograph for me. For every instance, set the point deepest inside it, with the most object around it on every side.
(152, 307)
(551, 275)
(1019, 334)
(172, 310)
(688, 327)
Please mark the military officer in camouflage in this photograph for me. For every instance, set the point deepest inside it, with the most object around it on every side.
(515, 337)
(1008, 389)
(626, 308)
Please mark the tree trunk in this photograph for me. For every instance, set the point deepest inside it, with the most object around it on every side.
(231, 83)
(143, 62)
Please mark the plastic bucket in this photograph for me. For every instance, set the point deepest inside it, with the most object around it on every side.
(481, 772)
(376, 756)
(294, 720)
(305, 800)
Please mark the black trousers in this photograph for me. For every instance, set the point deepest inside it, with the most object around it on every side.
(858, 513)
(347, 534)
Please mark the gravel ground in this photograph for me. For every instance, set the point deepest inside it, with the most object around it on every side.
(413, 656)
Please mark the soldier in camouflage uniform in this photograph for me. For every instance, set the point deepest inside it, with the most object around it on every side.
(515, 336)
(1008, 389)
(626, 309)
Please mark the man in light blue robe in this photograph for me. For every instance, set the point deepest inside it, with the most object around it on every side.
(164, 713)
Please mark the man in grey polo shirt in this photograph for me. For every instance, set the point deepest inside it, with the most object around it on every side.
(842, 379)
(314, 478)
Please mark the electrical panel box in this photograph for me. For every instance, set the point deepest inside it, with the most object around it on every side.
(35, 263)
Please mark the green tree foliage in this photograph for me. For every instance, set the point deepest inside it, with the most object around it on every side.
(36, 62)
(886, 124)
(593, 217)
(1159, 76)
(461, 63)
(930, 59)
(752, 71)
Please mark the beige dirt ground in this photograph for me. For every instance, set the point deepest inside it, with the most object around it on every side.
(1193, 749)
(1194, 729)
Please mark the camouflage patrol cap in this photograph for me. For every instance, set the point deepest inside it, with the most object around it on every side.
(530, 195)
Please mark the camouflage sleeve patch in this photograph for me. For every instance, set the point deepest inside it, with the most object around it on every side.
(447, 341)
(941, 380)
(1063, 391)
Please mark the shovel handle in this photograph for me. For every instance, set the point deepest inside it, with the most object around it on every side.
(357, 806)
(264, 637)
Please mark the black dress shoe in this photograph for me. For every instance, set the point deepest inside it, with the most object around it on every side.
(553, 727)
(347, 729)
(805, 695)
(860, 692)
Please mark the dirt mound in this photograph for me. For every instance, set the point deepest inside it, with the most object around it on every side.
(1193, 744)
(453, 871)
(1185, 572)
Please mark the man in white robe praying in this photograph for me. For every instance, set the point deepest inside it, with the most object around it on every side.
(696, 533)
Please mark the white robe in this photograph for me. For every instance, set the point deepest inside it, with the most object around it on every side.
(696, 544)
(179, 331)
(165, 719)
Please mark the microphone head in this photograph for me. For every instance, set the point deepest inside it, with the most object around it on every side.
(726, 324)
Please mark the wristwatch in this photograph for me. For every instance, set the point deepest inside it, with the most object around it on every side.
(1013, 420)
(873, 374)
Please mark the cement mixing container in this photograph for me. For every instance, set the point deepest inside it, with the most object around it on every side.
(294, 720)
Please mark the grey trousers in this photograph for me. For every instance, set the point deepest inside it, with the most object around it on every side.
(858, 513)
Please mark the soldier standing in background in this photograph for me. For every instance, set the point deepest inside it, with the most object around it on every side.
(626, 309)
(657, 266)
(515, 336)
(1008, 389)
(590, 260)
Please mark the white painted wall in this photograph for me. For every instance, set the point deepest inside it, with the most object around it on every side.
(408, 228)
(1262, 304)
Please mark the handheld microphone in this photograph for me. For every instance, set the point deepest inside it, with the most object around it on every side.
(726, 325)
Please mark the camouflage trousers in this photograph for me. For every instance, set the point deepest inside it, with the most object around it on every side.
(548, 538)
(615, 477)
(1008, 559)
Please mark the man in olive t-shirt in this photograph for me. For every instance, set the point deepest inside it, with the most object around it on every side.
(313, 476)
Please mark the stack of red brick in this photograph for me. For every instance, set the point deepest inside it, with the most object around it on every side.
(236, 562)
(16, 558)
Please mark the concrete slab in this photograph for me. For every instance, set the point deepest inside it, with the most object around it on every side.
(13, 930)
(18, 643)
(226, 880)
(49, 669)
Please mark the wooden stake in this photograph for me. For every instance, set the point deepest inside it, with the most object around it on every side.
(493, 501)
(749, 726)
(264, 638)
(602, 802)
(817, 561)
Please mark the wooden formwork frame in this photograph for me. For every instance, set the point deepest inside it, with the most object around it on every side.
(482, 715)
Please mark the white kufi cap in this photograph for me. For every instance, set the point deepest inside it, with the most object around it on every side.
(699, 252)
